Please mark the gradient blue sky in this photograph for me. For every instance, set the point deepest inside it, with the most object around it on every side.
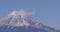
(48, 11)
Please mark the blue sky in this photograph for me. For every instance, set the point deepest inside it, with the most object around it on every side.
(47, 11)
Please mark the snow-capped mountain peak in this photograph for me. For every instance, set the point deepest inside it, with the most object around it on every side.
(19, 18)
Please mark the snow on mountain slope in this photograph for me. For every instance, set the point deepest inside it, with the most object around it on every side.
(18, 18)
(23, 19)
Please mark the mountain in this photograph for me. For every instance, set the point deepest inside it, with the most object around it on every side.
(21, 21)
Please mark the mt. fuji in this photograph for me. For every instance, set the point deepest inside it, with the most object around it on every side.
(21, 21)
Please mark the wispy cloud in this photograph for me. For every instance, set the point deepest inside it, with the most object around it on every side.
(22, 13)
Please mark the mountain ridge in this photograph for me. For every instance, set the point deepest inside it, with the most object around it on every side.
(23, 19)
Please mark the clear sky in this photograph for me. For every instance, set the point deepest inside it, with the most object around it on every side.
(48, 11)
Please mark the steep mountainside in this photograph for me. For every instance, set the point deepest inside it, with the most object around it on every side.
(21, 21)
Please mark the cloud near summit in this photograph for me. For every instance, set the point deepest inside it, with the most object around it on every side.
(22, 13)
